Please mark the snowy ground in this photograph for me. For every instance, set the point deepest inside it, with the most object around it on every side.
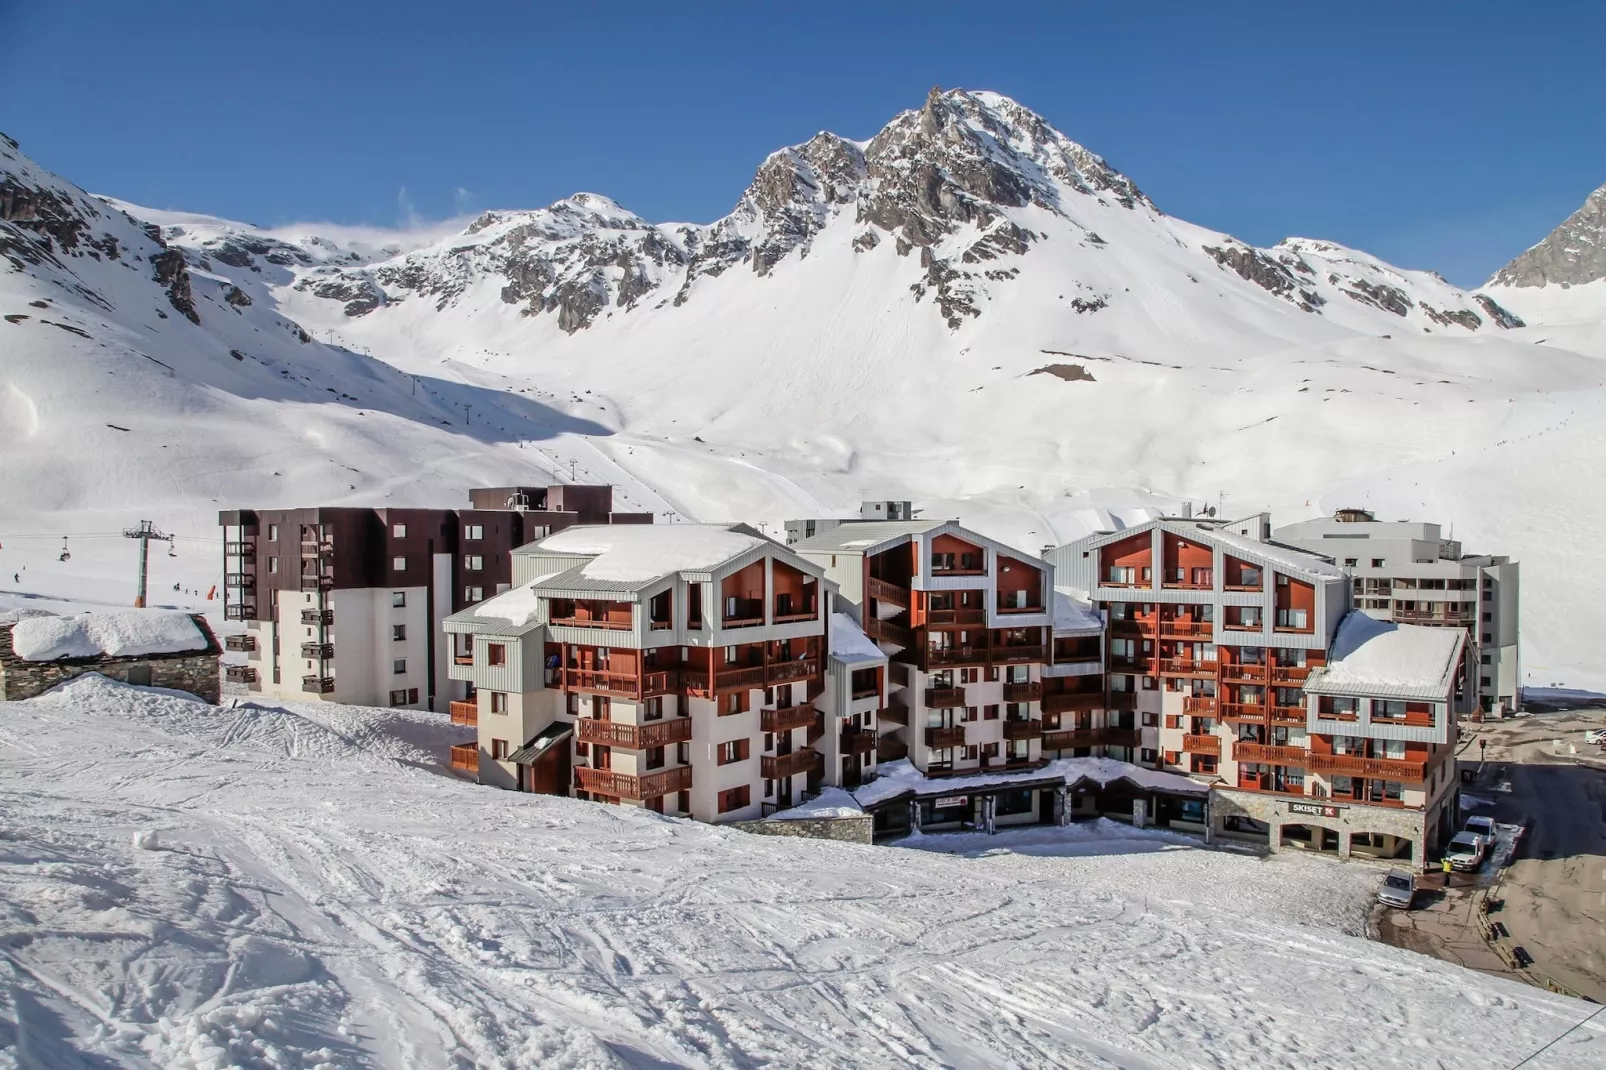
(185, 886)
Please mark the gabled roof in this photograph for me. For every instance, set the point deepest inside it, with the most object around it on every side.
(622, 558)
(867, 537)
(849, 644)
(1275, 555)
(1075, 615)
(1381, 659)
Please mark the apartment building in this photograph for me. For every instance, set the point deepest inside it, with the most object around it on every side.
(1208, 625)
(344, 604)
(1078, 719)
(798, 530)
(677, 668)
(1409, 572)
(1372, 770)
(968, 627)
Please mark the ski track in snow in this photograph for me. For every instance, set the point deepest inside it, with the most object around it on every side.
(300, 886)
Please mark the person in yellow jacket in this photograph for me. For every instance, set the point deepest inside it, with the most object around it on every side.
(1447, 869)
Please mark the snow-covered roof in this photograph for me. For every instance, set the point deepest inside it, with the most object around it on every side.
(122, 633)
(1380, 658)
(515, 606)
(896, 779)
(641, 553)
(1284, 557)
(863, 536)
(849, 644)
(1073, 614)
(831, 802)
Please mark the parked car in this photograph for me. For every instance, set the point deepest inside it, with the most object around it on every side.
(1596, 736)
(1398, 890)
(1483, 826)
(1466, 851)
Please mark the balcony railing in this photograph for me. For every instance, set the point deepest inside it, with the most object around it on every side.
(1122, 700)
(1418, 616)
(318, 685)
(311, 581)
(1186, 667)
(463, 658)
(240, 611)
(325, 617)
(791, 614)
(627, 685)
(955, 655)
(894, 715)
(945, 697)
(888, 749)
(956, 616)
(316, 547)
(785, 671)
(466, 758)
(318, 651)
(1381, 768)
(240, 674)
(1288, 715)
(862, 693)
(1016, 654)
(1018, 730)
(240, 549)
(858, 741)
(624, 786)
(888, 632)
(1090, 737)
(1203, 584)
(633, 736)
(1072, 702)
(943, 738)
(1184, 629)
(746, 613)
(1289, 674)
(1244, 711)
(246, 642)
(1250, 673)
(1134, 626)
(785, 765)
(1005, 607)
(1031, 691)
(240, 580)
(1199, 706)
(1195, 744)
(1268, 754)
(1244, 625)
(464, 713)
(586, 620)
(786, 718)
(882, 591)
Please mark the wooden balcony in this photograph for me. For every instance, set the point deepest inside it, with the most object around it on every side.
(1031, 691)
(784, 765)
(241, 580)
(240, 611)
(1378, 768)
(1122, 700)
(1267, 754)
(325, 617)
(1288, 715)
(240, 674)
(793, 614)
(1244, 625)
(1430, 617)
(311, 581)
(1072, 702)
(633, 736)
(974, 617)
(246, 642)
(945, 697)
(1201, 706)
(1186, 667)
(624, 786)
(781, 672)
(1244, 711)
(464, 713)
(1007, 609)
(463, 659)
(1238, 673)
(894, 715)
(858, 741)
(626, 685)
(1019, 730)
(862, 693)
(888, 749)
(786, 718)
(1289, 674)
(1134, 626)
(1014, 655)
(1195, 744)
(318, 685)
(887, 632)
(1185, 629)
(586, 620)
(244, 550)
(943, 738)
(316, 547)
(1063, 739)
(466, 758)
(746, 613)
(1206, 584)
(318, 651)
(882, 591)
(940, 657)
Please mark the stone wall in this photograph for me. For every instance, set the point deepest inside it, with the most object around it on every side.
(196, 672)
(857, 829)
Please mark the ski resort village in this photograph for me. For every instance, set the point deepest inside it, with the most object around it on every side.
(946, 612)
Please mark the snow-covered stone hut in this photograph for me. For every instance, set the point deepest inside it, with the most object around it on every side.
(153, 648)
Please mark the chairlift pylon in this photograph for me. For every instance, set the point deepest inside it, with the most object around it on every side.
(66, 555)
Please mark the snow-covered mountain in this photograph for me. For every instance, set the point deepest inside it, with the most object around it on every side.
(967, 309)
(1562, 279)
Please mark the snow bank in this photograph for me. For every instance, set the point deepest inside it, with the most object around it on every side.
(114, 634)
(849, 643)
(831, 802)
(636, 553)
(1371, 655)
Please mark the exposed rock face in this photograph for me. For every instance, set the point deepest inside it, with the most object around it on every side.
(1572, 254)
(1500, 316)
(358, 290)
(237, 297)
(1271, 274)
(1462, 317)
(1388, 298)
(170, 270)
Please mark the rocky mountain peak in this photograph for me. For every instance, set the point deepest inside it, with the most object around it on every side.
(1572, 254)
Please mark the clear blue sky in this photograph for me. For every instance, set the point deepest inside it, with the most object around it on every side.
(1436, 135)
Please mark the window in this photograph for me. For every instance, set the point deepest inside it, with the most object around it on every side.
(398, 698)
(399, 531)
(990, 713)
(1123, 574)
(1488, 594)
(735, 702)
(398, 633)
(941, 562)
(273, 564)
(1292, 618)
(474, 563)
(1173, 721)
(1486, 659)
(655, 757)
(972, 752)
(734, 799)
(474, 531)
(398, 599)
(733, 751)
(1147, 755)
(499, 749)
(1484, 681)
(496, 653)
(969, 714)
(1350, 562)
(498, 701)
(1488, 617)
(653, 710)
(1377, 562)
(1394, 748)
(398, 666)
(398, 563)
(1388, 710)
(273, 533)
(1488, 637)
(1150, 720)
(730, 655)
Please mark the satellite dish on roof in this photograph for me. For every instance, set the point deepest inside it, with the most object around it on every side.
(1210, 510)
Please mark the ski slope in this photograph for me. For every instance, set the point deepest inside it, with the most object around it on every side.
(188, 886)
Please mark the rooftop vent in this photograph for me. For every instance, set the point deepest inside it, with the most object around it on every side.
(1353, 516)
